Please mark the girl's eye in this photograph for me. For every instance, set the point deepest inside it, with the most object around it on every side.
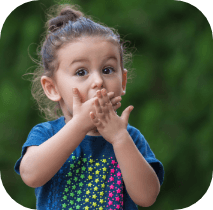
(81, 73)
(108, 70)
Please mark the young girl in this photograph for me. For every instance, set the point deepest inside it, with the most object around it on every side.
(89, 158)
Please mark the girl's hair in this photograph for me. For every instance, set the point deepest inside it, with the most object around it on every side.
(66, 24)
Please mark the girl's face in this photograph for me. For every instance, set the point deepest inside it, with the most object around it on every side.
(89, 64)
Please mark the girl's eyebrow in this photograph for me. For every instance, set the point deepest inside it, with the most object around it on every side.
(86, 60)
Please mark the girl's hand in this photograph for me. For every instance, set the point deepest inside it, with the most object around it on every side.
(108, 123)
(82, 110)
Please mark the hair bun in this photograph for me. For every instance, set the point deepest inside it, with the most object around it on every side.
(65, 15)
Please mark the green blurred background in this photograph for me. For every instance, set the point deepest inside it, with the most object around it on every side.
(172, 90)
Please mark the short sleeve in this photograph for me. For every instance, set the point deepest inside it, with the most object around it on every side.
(37, 136)
(146, 151)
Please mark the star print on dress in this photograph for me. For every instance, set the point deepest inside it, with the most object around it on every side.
(93, 184)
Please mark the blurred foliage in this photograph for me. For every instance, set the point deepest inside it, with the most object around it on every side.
(172, 91)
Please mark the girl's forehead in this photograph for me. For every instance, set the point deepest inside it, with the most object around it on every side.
(87, 46)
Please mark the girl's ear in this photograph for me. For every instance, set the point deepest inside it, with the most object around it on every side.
(124, 81)
(50, 88)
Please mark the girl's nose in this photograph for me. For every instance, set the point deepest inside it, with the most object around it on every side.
(97, 81)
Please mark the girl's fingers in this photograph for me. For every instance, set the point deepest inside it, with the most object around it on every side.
(116, 100)
(116, 106)
(105, 96)
(94, 119)
(100, 98)
(105, 100)
(98, 107)
(111, 95)
(110, 107)
(76, 96)
(92, 115)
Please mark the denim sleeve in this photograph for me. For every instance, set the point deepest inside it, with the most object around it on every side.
(147, 153)
(37, 136)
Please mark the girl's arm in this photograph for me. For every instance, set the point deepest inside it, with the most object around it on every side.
(140, 179)
(41, 163)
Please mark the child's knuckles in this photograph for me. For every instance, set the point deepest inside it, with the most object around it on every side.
(118, 105)
(112, 100)
(115, 101)
(110, 95)
(110, 106)
(114, 104)
(106, 99)
(118, 98)
(96, 121)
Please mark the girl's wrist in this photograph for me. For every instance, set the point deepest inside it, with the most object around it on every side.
(120, 137)
(81, 125)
